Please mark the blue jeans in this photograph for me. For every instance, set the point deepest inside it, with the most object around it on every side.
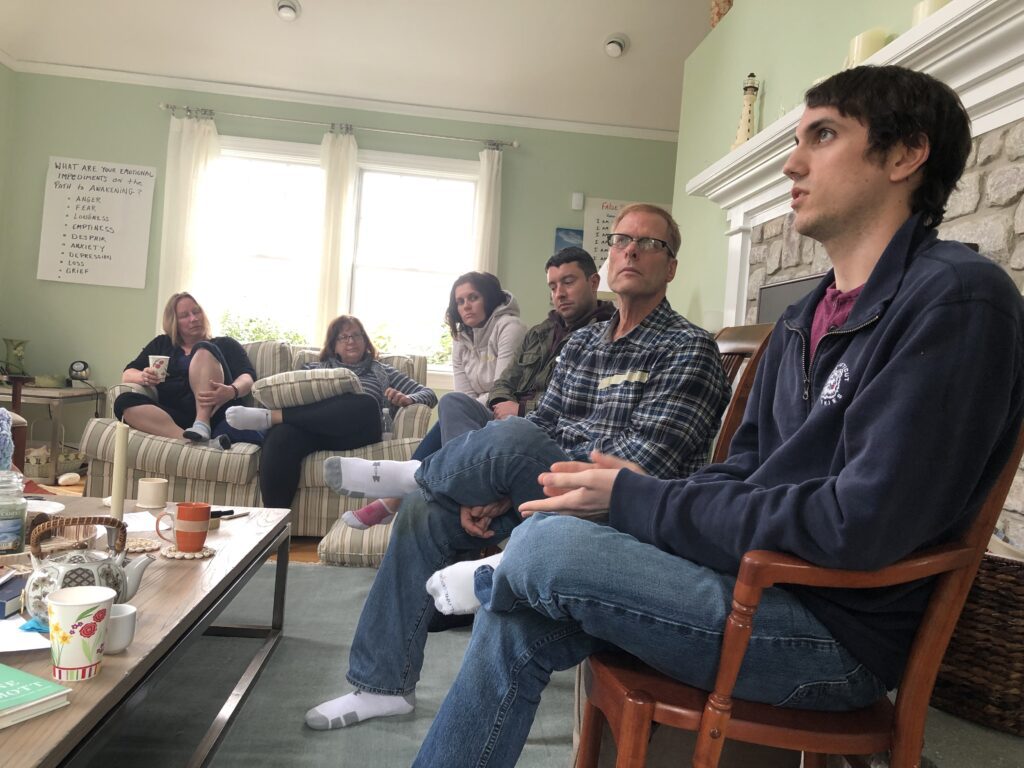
(552, 601)
(501, 460)
(457, 413)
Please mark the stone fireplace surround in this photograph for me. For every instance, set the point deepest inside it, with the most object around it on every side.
(977, 47)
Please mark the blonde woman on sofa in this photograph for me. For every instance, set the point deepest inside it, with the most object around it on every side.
(204, 375)
(486, 335)
(339, 423)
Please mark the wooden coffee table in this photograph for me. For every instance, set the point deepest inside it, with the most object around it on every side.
(178, 602)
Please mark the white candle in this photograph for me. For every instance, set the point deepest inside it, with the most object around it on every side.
(924, 9)
(866, 44)
(120, 470)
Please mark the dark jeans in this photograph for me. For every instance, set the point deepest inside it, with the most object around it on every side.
(338, 424)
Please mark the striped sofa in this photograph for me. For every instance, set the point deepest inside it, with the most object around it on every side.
(197, 472)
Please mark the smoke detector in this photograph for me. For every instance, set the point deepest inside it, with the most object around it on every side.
(616, 45)
(287, 10)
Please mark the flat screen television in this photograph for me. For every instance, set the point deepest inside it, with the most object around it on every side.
(772, 299)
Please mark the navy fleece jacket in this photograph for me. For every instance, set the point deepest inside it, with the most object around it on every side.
(884, 444)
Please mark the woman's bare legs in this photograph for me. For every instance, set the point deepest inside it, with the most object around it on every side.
(203, 369)
(152, 420)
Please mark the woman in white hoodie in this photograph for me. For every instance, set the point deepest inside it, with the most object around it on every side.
(486, 335)
(486, 332)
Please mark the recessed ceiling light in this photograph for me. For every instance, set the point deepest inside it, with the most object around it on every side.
(287, 10)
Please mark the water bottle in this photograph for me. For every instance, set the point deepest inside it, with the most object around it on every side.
(387, 426)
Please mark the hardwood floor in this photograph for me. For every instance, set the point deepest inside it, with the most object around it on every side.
(303, 549)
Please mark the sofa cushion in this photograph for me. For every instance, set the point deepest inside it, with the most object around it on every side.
(284, 390)
(173, 457)
(269, 357)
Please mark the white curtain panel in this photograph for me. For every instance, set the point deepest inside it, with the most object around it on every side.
(488, 211)
(191, 145)
(338, 158)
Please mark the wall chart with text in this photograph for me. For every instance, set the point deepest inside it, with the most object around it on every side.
(96, 217)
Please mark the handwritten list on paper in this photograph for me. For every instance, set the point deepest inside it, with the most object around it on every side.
(96, 218)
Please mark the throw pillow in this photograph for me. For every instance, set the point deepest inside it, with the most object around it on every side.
(283, 390)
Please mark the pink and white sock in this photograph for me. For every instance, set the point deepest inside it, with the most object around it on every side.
(374, 513)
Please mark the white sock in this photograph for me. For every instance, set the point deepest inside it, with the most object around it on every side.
(198, 432)
(241, 417)
(452, 587)
(363, 477)
(355, 707)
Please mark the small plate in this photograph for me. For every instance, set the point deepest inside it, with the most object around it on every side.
(150, 506)
(49, 507)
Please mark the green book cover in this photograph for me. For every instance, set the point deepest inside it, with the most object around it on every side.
(21, 690)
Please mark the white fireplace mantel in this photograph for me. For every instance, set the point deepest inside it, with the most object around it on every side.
(976, 46)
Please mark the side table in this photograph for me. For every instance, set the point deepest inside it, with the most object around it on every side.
(54, 399)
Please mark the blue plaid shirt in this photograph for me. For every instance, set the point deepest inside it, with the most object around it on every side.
(654, 397)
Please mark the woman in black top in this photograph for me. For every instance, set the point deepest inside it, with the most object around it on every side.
(204, 376)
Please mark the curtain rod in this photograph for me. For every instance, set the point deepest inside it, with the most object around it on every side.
(343, 127)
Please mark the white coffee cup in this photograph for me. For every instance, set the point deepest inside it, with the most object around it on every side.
(159, 364)
(121, 628)
(152, 493)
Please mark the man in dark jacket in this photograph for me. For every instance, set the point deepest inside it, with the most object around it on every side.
(573, 281)
(882, 410)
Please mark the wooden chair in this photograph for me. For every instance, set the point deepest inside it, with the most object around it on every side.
(630, 696)
(738, 344)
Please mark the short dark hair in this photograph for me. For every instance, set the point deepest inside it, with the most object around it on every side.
(899, 105)
(570, 255)
(489, 288)
(334, 330)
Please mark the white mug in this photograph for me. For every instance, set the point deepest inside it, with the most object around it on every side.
(152, 493)
(121, 628)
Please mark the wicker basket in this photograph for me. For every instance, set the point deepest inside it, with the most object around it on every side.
(982, 673)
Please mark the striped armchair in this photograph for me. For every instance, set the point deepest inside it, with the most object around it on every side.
(200, 473)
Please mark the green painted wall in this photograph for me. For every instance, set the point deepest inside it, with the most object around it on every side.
(6, 122)
(122, 123)
(788, 44)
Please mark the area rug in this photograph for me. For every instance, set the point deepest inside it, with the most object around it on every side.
(308, 667)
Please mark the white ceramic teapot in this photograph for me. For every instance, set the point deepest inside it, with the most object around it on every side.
(81, 568)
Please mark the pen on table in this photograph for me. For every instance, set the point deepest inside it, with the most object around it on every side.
(227, 514)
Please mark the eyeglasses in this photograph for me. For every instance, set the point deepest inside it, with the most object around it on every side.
(347, 337)
(644, 244)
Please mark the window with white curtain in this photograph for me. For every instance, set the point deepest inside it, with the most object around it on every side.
(414, 236)
(260, 243)
(259, 238)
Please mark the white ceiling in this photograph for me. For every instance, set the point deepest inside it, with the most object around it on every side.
(520, 62)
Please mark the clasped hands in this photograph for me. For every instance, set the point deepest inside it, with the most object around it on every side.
(396, 398)
(578, 488)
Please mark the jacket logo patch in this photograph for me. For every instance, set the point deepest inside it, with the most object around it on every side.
(831, 394)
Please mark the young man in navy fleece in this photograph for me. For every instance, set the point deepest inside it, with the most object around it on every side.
(884, 406)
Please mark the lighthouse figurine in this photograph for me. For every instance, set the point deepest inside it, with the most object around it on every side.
(746, 127)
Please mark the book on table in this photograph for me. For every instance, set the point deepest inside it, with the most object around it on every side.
(23, 695)
(10, 596)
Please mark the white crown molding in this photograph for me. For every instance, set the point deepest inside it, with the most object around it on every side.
(340, 102)
(976, 46)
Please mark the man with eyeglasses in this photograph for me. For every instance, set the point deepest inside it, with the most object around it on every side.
(646, 386)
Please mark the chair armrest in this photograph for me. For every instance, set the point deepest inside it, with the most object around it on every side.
(762, 568)
(412, 421)
(120, 389)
